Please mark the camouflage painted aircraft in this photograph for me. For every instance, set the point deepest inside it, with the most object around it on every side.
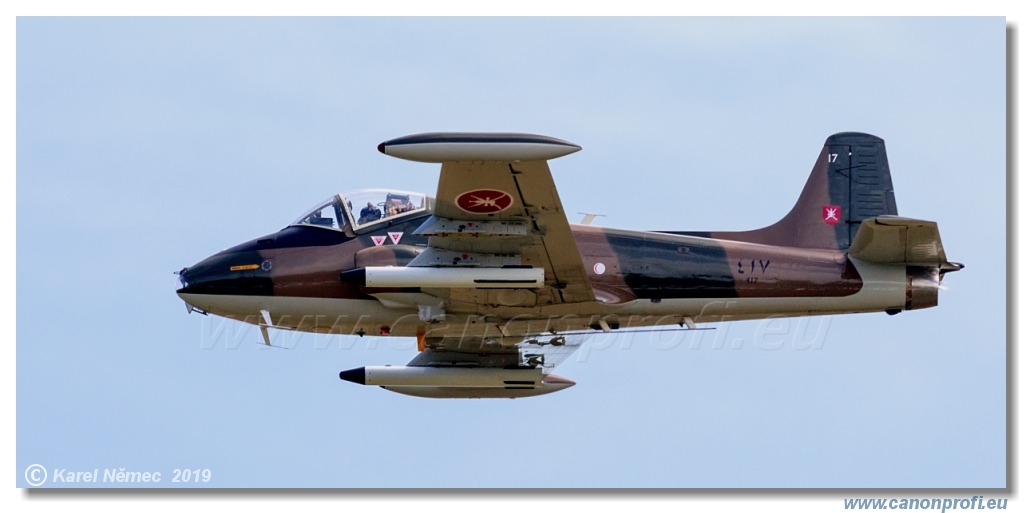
(498, 287)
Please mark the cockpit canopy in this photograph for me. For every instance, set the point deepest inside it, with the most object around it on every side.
(363, 208)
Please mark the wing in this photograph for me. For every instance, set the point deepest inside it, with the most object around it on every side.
(497, 208)
(498, 236)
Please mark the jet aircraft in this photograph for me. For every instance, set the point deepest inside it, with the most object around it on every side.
(498, 287)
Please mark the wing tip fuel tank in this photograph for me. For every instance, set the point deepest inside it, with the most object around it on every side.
(451, 382)
(439, 147)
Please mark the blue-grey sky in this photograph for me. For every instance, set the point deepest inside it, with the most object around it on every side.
(144, 145)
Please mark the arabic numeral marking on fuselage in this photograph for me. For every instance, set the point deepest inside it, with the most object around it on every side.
(759, 266)
(832, 157)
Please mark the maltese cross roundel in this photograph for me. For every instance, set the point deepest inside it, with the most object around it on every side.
(484, 201)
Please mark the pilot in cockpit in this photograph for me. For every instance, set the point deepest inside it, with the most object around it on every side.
(408, 206)
(399, 205)
(369, 213)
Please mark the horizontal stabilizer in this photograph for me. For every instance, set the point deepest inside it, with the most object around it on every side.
(900, 240)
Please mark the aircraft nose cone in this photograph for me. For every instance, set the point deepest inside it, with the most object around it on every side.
(192, 279)
(182, 279)
(238, 274)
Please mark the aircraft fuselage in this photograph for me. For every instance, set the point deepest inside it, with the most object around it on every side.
(639, 279)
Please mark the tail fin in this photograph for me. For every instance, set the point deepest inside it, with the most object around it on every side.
(850, 183)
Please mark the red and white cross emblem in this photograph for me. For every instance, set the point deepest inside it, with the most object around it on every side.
(831, 214)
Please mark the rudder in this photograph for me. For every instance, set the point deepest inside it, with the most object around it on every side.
(862, 183)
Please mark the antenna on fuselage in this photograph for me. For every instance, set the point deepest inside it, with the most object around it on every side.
(588, 217)
(268, 323)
